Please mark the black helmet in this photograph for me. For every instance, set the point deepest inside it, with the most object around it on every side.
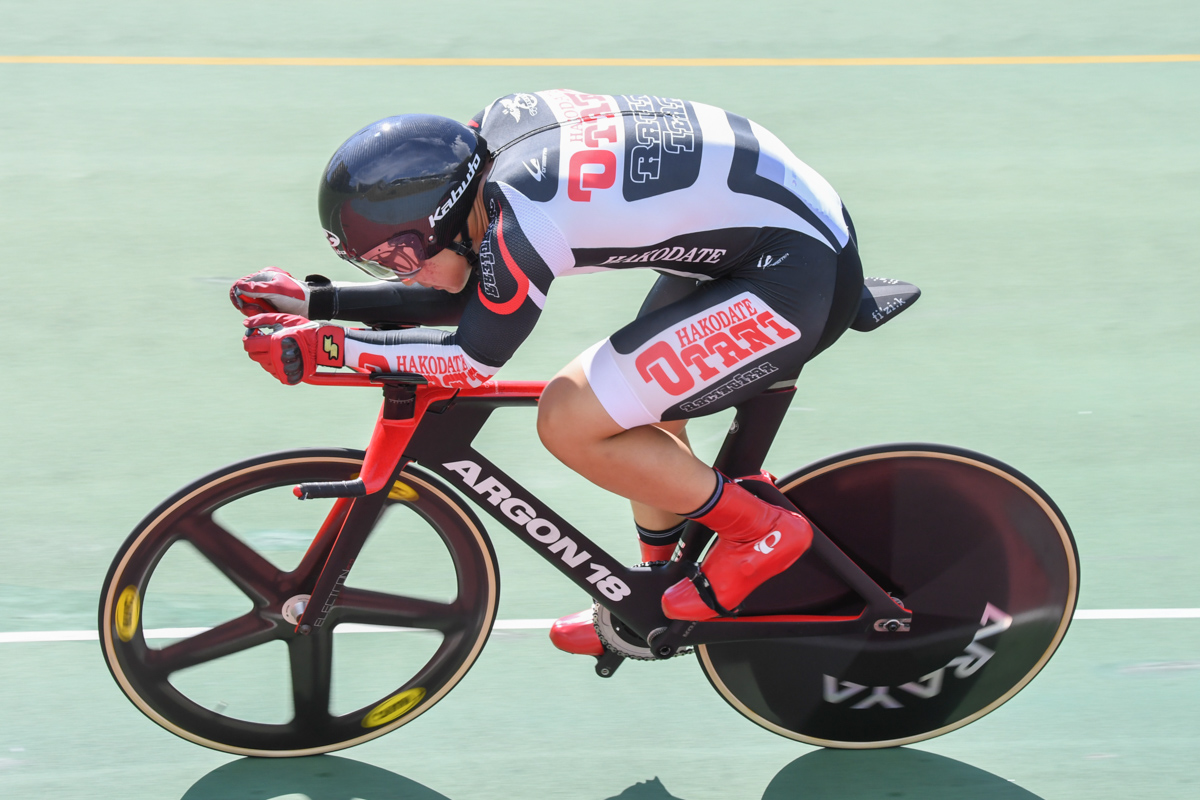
(406, 182)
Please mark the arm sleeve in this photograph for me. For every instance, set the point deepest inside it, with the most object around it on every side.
(393, 302)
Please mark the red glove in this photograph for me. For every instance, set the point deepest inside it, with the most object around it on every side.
(291, 348)
(270, 290)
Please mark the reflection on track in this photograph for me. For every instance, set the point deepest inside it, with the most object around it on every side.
(646, 790)
(318, 777)
(821, 775)
(886, 774)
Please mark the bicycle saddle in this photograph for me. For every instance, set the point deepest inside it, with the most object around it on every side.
(882, 299)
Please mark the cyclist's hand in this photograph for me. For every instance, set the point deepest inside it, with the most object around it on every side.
(291, 347)
(270, 290)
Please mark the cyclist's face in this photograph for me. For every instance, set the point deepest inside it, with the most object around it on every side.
(447, 271)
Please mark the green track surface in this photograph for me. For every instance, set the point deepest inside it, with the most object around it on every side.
(1048, 213)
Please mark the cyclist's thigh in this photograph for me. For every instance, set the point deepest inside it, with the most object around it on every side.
(666, 290)
(721, 343)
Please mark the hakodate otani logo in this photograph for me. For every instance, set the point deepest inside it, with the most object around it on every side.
(712, 344)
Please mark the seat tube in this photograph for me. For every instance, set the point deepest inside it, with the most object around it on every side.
(752, 432)
(745, 448)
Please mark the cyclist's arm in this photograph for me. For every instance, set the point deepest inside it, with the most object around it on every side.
(382, 302)
(435, 354)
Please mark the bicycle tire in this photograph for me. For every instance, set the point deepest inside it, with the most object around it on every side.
(978, 552)
(144, 673)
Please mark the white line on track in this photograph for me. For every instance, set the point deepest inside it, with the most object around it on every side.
(247, 61)
(1138, 613)
(533, 624)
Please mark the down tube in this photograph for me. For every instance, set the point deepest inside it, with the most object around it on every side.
(443, 446)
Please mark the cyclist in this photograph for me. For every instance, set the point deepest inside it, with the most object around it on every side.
(469, 225)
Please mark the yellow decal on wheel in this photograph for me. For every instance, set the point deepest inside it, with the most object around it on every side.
(125, 618)
(402, 491)
(394, 707)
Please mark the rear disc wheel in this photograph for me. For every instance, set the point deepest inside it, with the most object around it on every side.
(980, 555)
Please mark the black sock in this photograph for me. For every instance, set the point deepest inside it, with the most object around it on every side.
(669, 536)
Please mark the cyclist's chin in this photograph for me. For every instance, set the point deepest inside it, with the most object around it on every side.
(447, 271)
(441, 284)
(453, 286)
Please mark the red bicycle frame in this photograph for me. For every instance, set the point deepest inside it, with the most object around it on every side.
(435, 427)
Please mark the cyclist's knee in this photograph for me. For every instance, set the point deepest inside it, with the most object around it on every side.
(559, 413)
(553, 408)
(570, 415)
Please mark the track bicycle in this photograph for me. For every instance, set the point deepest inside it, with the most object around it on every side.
(939, 582)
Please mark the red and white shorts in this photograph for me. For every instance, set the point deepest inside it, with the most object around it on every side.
(697, 349)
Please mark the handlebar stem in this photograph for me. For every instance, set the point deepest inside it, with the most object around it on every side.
(402, 410)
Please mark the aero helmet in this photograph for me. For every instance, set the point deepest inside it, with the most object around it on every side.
(399, 191)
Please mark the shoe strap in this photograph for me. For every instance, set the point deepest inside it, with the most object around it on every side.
(705, 589)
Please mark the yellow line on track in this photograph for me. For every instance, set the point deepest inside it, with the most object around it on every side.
(215, 61)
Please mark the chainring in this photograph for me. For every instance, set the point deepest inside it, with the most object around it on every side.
(619, 639)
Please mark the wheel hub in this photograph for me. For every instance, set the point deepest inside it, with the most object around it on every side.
(293, 608)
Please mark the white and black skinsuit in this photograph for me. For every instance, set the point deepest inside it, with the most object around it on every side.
(759, 257)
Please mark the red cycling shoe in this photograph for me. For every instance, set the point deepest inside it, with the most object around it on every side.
(576, 633)
(756, 541)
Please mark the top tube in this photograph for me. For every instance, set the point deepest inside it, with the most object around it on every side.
(375, 379)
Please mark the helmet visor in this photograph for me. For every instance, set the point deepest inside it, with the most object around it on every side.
(401, 256)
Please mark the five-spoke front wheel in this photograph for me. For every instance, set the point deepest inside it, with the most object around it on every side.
(193, 613)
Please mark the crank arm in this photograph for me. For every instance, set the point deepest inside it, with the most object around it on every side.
(607, 664)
